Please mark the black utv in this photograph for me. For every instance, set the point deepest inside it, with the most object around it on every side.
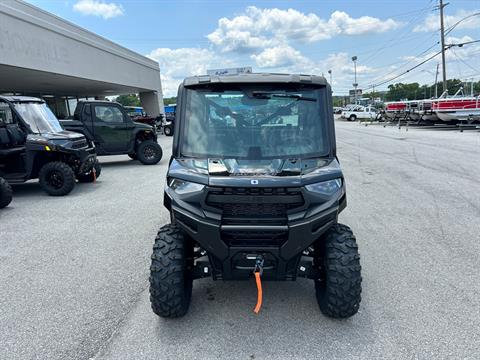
(254, 190)
(33, 145)
(109, 126)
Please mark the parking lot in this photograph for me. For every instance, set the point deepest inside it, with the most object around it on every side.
(74, 270)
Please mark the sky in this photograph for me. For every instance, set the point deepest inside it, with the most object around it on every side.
(309, 37)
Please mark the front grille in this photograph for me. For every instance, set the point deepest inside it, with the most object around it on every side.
(79, 144)
(254, 237)
(254, 210)
(254, 206)
(255, 202)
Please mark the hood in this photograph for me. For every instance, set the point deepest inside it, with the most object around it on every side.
(240, 172)
(144, 126)
(61, 135)
(270, 167)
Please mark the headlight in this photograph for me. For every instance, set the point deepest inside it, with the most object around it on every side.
(184, 187)
(329, 187)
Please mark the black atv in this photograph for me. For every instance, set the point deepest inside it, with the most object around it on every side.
(168, 124)
(34, 145)
(5, 193)
(108, 125)
(254, 190)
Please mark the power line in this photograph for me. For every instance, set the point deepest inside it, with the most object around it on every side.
(449, 30)
(464, 62)
(447, 47)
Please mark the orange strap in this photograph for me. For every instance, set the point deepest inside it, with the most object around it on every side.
(94, 175)
(259, 292)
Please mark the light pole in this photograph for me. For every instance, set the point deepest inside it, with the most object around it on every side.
(331, 84)
(355, 84)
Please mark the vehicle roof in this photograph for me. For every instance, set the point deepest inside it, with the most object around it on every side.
(255, 78)
(97, 101)
(17, 98)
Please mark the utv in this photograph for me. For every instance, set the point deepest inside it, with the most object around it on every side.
(254, 189)
(34, 145)
(108, 125)
(5, 193)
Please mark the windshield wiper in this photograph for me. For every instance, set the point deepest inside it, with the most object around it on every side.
(293, 96)
(266, 95)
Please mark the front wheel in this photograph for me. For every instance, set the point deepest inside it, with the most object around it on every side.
(338, 289)
(171, 279)
(5, 193)
(57, 178)
(352, 118)
(149, 152)
(167, 130)
(91, 176)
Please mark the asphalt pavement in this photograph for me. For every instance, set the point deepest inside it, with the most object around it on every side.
(74, 270)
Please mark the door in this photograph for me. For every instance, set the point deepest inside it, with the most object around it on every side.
(112, 128)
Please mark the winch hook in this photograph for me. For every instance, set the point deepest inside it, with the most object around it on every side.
(258, 272)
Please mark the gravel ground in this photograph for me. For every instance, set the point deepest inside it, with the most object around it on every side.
(73, 270)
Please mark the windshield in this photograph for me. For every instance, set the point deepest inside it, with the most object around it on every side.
(252, 124)
(39, 117)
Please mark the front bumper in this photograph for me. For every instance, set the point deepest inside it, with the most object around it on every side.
(86, 160)
(281, 260)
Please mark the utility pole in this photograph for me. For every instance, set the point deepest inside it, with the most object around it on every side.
(436, 81)
(355, 84)
(442, 41)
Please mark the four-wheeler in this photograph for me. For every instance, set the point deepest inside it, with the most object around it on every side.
(254, 190)
(108, 125)
(137, 114)
(169, 119)
(5, 193)
(34, 145)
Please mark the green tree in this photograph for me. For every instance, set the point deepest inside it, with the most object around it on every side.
(402, 91)
(128, 100)
(413, 91)
(170, 100)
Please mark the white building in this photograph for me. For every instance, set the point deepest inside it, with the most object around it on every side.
(44, 55)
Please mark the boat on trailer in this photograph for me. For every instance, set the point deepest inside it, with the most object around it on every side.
(395, 109)
(414, 110)
(457, 107)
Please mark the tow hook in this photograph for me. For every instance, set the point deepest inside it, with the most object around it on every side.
(258, 272)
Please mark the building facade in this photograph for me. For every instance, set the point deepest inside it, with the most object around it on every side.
(44, 55)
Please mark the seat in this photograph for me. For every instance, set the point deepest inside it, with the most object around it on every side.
(4, 138)
(17, 136)
(12, 140)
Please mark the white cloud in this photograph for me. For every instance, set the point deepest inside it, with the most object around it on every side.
(285, 59)
(261, 28)
(454, 53)
(432, 21)
(282, 55)
(98, 8)
(176, 64)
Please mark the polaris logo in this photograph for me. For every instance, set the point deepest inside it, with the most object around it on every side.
(254, 182)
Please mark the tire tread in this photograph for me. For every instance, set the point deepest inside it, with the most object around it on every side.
(341, 296)
(169, 295)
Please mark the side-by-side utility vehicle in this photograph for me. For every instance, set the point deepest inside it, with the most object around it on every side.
(254, 190)
(109, 126)
(33, 145)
